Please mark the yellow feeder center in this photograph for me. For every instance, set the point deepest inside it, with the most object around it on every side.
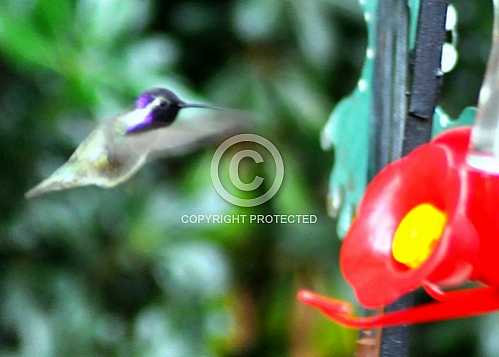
(417, 234)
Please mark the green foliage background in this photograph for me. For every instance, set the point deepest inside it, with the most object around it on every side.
(94, 272)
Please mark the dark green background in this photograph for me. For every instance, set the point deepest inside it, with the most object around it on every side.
(93, 272)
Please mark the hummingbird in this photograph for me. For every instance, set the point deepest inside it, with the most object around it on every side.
(117, 148)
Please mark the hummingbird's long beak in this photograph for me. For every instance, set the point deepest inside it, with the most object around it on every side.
(203, 106)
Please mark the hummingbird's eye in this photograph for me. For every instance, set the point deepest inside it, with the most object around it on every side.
(163, 104)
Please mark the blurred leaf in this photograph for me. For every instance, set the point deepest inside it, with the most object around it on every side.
(314, 34)
(20, 41)
(257, 20)
(103, 22)
(150, 55)
(192, 269)
(56, 15)
(302, 97)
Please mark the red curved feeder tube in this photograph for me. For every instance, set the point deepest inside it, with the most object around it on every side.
(427, 220)
(458, 305)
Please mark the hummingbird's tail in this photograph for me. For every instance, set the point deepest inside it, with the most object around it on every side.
(63, 178)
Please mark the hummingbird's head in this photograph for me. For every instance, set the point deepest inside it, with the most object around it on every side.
(164, 96)
(160, 107)
(164, 105)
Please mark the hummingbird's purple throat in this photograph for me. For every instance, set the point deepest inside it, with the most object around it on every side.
(143, 100)
(162, 114)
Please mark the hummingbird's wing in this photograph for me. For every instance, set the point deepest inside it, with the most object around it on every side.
(108, 156)
(105, 158)
(191, 132)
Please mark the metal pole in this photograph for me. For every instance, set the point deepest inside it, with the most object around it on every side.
(397, 131)
(387, 131)
(425, 90)
(427, 74)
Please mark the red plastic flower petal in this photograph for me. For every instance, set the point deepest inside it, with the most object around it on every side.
(433, 181)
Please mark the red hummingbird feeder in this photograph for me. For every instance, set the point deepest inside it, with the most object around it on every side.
(429, 220)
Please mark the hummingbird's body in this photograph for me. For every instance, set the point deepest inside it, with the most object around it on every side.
(119, 147)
